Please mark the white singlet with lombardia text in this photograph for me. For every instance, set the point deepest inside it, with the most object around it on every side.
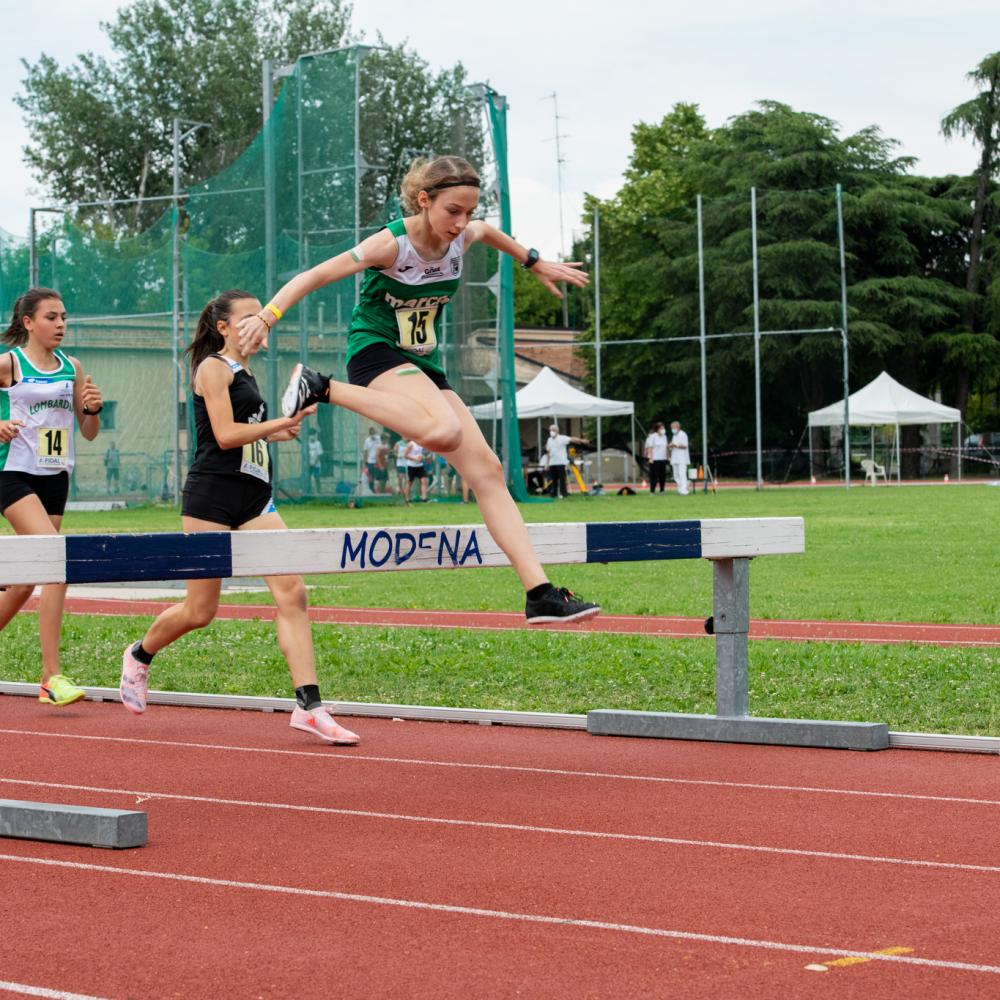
(43, 402)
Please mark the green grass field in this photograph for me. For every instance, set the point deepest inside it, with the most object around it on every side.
(913, 554)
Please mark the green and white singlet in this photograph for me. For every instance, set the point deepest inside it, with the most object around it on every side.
(403, 305)
(43, 402)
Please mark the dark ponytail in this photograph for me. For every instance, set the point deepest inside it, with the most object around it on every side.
(16, 334)
(207, 339)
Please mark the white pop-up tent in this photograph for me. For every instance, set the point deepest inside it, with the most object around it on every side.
(885, 402)
(547, 395)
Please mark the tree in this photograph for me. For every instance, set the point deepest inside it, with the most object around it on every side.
(967, 352)
(899, 291)
(534, 306)
(101, 128)
(406, 111)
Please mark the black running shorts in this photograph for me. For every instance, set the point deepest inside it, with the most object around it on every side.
(375, 359)
(227, 500)
(51, 490)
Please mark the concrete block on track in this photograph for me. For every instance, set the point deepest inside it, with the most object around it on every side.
(88, 825)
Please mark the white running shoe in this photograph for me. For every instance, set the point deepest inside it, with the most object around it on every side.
(304, 388)
(321, 723)
(132, 689)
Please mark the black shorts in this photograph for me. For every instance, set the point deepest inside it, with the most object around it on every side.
(231, 501)
(416, 472)
(381, 475)
(375, 359)
(51, 490)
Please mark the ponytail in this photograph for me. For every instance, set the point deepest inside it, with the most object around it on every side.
(207, 339)
(16, 334)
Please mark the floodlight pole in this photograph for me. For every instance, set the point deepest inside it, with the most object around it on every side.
(756, 334)
(703, 344)
(597, 330)
(178, 138)
(843, 335)
(33, 240)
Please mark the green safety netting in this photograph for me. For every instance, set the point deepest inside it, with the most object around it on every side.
(303, 190)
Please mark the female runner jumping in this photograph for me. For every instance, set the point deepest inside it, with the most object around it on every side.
(412, 269)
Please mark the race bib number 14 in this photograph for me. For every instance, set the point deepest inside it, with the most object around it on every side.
(416, 329)
(53, 448)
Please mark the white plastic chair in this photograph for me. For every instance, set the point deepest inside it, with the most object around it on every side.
(872, 471)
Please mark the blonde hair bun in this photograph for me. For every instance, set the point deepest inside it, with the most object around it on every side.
(432, 175)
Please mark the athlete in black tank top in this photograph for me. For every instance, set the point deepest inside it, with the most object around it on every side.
(248, 408)
(229, 488)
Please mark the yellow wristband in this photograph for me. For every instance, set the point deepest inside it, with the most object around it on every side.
(274, 309)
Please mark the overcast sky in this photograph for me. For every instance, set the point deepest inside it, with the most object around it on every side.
(897, 64)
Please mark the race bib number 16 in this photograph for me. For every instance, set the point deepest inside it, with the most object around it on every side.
(256, 461)
(416, 329)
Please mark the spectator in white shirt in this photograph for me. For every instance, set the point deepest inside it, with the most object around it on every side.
(656, 449)
(399, 450)
(557, 450)
(415, 470)
(315, 458)
(371, 446)
(680, 457)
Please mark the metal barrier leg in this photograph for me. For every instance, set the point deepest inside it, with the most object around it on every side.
(732, 722)
(731, 609)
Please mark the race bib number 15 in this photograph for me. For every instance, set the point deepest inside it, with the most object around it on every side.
(416, 329)
(53, 448)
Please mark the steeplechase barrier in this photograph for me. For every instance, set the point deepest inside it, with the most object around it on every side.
(728, 543)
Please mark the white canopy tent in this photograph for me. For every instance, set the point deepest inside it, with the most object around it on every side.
(885, 402)
(547, 395)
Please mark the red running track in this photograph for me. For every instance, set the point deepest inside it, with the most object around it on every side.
(444, 860)
(652, 625)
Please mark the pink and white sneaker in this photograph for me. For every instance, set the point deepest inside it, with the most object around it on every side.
(321, 723)
(132, 689)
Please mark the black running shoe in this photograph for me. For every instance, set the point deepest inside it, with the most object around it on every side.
(558, 604)
(305, 387)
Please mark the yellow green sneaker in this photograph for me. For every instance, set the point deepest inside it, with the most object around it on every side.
(60, 690)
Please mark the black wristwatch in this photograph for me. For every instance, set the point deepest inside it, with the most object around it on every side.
(531, 260)
(87, 412)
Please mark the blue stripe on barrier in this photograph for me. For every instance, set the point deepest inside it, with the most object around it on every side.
(635, 541)
(175, 556)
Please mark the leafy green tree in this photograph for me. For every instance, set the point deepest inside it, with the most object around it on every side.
(533, 305)
(974, 349)
(102, 128)
(407, 111)
(894, 227)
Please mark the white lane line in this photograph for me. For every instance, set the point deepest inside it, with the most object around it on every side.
(348, 757)
(40, 991)
(642, 838)
(529, 918)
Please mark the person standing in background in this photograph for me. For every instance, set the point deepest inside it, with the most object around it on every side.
(315, 457)
(558, 455)
(371, 446)
(112, 466)
(415, 470)
(656, 449)
(399, 450)
(680, 457)
(382, 465)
